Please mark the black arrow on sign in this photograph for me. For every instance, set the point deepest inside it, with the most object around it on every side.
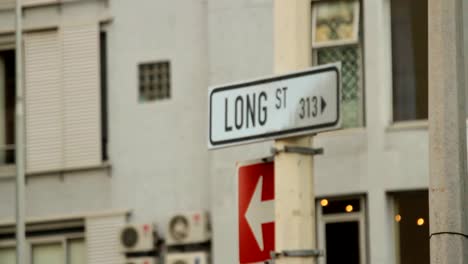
(323, 103)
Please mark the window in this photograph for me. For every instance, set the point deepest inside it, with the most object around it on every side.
(341, 230)
(409, 59)
(335, 38)
(62, 98)
(76, 250)
(59, 250)
(51, 253)
(155, 81)
(49, 242)
(411, 218)
(7, 107)
(8, 255)
(104, 120)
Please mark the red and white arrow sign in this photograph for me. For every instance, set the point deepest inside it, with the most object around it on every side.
(259, 212)
(256, 212)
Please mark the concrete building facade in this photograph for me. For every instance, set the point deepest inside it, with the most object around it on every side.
(154, 161)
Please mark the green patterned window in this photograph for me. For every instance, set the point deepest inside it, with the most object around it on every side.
(351, 97)
(336, 38)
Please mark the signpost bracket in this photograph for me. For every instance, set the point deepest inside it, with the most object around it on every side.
(303, 253)
(299, 150)
(269, 159)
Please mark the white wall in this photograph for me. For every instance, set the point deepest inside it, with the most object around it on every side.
(58, 195)
(158, 149)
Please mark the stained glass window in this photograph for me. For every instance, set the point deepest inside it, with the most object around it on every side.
(335, 34)
(335, 23)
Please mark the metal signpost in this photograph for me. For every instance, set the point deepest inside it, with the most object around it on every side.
(20, 140)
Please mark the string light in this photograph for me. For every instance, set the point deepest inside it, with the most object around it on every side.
(349, 208)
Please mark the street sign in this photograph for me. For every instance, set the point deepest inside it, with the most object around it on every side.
(256, 212)
(288, 105)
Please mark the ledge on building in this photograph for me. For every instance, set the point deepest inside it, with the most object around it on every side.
(9, 171)
(408, 125)
(61, 221)
(343, 132)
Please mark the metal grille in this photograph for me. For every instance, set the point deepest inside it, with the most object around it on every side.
(154, 81)
(351, 96)
(129, 237)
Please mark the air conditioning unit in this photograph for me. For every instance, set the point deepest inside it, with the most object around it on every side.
(188, 228)
(142, 260)
(187, 258)
(137, 238)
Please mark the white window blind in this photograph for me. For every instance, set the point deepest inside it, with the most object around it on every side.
(62, 98)
(102, 239)
(81, 80)
(44, 111)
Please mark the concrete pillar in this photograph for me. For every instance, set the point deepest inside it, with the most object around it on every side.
(448, 192)
(294, 191)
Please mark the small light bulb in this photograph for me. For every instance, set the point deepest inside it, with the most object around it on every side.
(420, 221)
(349, 208)
(324, 202)
(398, 218)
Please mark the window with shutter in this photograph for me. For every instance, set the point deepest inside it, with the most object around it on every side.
(101, 244)
(63, 122)
(81, 90)
(43, 102)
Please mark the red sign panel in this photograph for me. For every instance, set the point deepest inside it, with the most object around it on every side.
(256, 212)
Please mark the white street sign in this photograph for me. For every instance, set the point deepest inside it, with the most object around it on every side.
(288, 105)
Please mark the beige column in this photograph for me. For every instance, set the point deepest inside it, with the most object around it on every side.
(294, 191)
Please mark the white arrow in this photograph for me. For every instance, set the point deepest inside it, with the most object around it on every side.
(259, 212)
